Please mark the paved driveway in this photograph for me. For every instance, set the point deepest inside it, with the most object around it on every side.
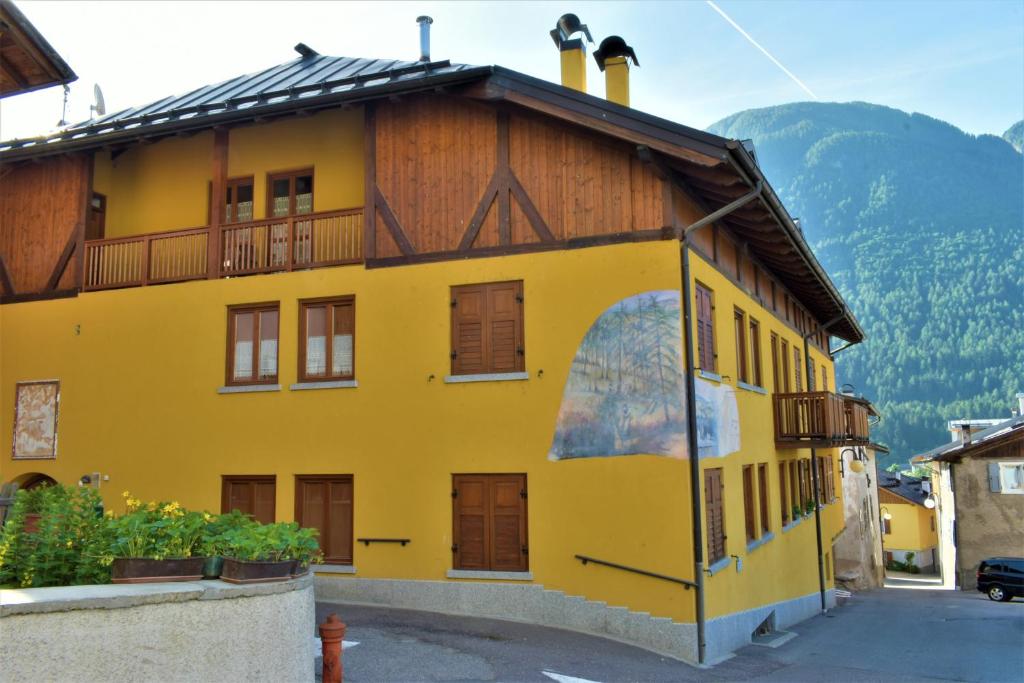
(893, 634)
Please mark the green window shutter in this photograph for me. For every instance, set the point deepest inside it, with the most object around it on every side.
(994, 484)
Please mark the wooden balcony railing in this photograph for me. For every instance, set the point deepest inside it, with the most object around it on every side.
(313, 240)
(819, 419)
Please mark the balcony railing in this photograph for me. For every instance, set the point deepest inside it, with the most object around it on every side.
(314, 240)
(819, 419)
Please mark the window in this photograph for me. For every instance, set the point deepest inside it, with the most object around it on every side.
(795, 489)
(252, 344)
(796, 367)
(776, 382)
(487, 328)
(755, 353)
(253, 495)
(489, 517)
(715, 511)
(783, 494)
(785, 366)
(762, 496)
(886, 526)
(748, 503)
(824, 378)
(326, 339)
(705, 329)
(290, 194)
(931, 522)
(739, 322)
(324, 502)
(96, 221)
(238, 200)
(810, 377)
(1006, 477)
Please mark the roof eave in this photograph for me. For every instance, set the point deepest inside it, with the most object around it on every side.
(62, 70)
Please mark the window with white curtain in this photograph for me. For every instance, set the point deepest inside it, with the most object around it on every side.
(248, 325)
(326, 339)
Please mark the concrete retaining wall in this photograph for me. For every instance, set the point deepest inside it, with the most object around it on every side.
(190, 631)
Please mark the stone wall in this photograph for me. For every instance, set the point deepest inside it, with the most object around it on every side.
(988, 524)
(189, 631)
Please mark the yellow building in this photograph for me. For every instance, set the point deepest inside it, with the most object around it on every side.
(908, 525)
(496, 422)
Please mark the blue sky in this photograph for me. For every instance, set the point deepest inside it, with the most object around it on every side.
(958, 61)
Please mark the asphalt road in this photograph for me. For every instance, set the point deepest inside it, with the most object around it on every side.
(892, 634)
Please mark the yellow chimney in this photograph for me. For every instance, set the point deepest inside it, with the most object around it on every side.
(613, 59)
(573, 51)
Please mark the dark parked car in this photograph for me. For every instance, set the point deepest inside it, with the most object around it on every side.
(1001, 578)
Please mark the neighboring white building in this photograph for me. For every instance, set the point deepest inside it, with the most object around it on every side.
(858, 549)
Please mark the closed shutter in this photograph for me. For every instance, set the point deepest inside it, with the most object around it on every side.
(748, 502)
(824, 378)
(487, 328)
(705, 329)
(253, 496)
(325, 503)
(995, 484)
(762, 495)
(796, 367)
(489, 520)
(810, 377)
(783, 494)
(504, 328)
(794, 487)
(468, 319)
(714, 510)
(785, 366)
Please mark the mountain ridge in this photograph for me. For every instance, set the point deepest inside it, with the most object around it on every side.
(919, 224)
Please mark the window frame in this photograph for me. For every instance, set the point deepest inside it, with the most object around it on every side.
(290, 176)
(754, 337)
(329, 302)
(714, 541)
(1019, 490)
(739, 322)
(784, 492)
(486, 342)
(709, 326)
(784, 353)
(762, 497)
(749, 504)
(257, 310)
(491, 478)
(300, 480)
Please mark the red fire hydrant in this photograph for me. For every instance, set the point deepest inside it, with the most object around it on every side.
(332, 632)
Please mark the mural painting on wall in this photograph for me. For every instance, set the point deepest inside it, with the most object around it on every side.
(35, 419)
(625, 392)
(718, 420)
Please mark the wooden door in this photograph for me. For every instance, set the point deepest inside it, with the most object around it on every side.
(96, 221)
(324, 502)
(253, 495)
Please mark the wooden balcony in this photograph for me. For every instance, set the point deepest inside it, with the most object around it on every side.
(820, 419)
(315, 240)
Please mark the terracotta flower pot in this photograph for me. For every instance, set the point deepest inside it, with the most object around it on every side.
(146, 570)
(31, 523)
(245, 571)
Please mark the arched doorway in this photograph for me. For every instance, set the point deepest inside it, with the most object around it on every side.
(33, 480)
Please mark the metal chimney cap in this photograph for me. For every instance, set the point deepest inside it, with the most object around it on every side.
(424, 18)
(567, 26)
(614, 46)
(306, 51)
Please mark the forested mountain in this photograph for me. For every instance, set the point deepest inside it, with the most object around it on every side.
(921, 227)
(1015, 135)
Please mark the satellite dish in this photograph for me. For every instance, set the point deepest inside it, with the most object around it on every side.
(100, 107)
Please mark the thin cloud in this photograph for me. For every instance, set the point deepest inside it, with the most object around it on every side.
(767, 54)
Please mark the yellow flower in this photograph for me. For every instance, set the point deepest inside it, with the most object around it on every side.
(110, 513)
(207, 516)
(125, 494)
(151, 506)
(69, 543)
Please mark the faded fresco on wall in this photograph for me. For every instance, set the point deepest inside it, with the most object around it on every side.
(625, 393)
(718, 419)
(35, 419)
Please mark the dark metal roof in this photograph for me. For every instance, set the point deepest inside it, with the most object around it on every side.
(308, 80)
(29, 61)
(904, 486)
(985, 439)
(716, 169)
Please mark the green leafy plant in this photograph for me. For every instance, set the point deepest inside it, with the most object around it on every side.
(808, 507)
(271, 543)
(67, 548)
(215, 541)
(156, 530)
(796, 512)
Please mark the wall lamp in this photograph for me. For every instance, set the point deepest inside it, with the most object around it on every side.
(857, 460)
(886, 515)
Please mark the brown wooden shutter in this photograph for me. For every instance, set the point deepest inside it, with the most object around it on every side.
(776, 383)
(796, 368)
(705, 329)
(489, 516)
(748, 502)
(508, 522)
(469, 355)
(783, 494)
(741, 345)
(810, 377)
(795, 486)
(250, 495)
(504, 327)
(762, 495)
(325, 503)
(714, 510)
(785, 366)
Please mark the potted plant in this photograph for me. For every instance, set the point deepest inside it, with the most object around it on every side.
(156, 542)
(34, 500)
(797, 512)
(808, 507)
(214, 544)
(258, 553)
(303, 548)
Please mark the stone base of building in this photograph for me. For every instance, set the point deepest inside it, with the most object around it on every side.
(532, 603)
(726, 634)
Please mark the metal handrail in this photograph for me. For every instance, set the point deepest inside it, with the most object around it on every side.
(643, 572)
(368, 541)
